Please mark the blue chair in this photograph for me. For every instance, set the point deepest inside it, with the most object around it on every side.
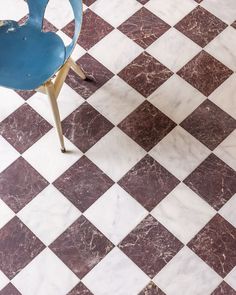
(29, 57)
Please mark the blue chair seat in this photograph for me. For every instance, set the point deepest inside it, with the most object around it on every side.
(29, 57)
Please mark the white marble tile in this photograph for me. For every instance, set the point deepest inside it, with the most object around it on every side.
(187, 274)
(116, 274)
(231, 278)
(223, 47)
(10, 12)
(228, 211)
(115, 154)
(46, 157)
(115, 51)
(116, 213)
(223, 9)
(176, 98)
(225, 96)
(7, 154)
(46, 274)
(11, 101)
(171, 11)
(116, 100)
(115, 12)
(6, 214)
(49, 214)
(3, 280)
(226, 151)
(179, 152)
(173, 49)
(183, 213)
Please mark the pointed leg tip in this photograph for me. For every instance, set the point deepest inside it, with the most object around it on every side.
(63, 151)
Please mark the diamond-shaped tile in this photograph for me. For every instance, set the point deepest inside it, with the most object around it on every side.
(116, 274)
(115, 214)
(94, 28)
(89, 2)
(48, 215)
(151, 289)
(85, 126)
(201, 26)
(26, 94)
(3, 280)
(224, 289)
(215, 244)
(151, 246)
(183, 213)
(9, 290)
(187, 274)
(209, 124)
(94, 69)
(83, 183)
(143, 1)
(19, 184)
(7, 154)
(145, 74)
(80, 289)
(231, 278)
(228, 211)
(6, 213)
(146, 125)
(144, 27)
(18, 246)
(234, 24)
(214, 181)
(148, 182)
(81, 247)
(23, 128)
(205, 73)
(41, 276)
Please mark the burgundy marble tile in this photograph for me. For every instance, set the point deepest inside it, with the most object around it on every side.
(85, 126)
(224, 289)
(23, 128)
(209, 124)
(96, 71)
(215, 244)
(148, 182)
(83, 183)
(80, 289)
(145, 74)
(88, 2)
(143, 1)
(147, 125)
(26, 94)
(234, 24)
(144, 27)
(151, 246)
(81, 247)
(214, 181)
(198, 1)
(201, 26)
(9, 290)
(18, 246)
(205, 73)
(19, 184)
(151, 289)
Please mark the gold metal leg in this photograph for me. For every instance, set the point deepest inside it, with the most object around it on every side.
(50, 90)
(76, 68)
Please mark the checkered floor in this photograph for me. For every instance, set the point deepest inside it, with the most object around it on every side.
(144, 202)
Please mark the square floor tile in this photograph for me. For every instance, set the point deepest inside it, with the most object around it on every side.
(151, 246)
(18, 246)
(26, 94)
(187, 274)
(183, 213)
(214, 181)
(116, 274)
(7, 154)
(209, 124)
(179, 152)
(10, 290)
(228, 211)
(83, 183)
(151, 289)
(80, 289)
(205, 73)
(115, 214)
(3, 280)
(85, 126)
(201, 26)
(176, 98)
(223, 289)
(49, 214)
(168, 47)
(6, 214)
(144, 27)
(19, 184)
(215, 244)
(115, 154)
(81, 247)
(13, 13)
(152, 76)
(23, 128)
(234, 24)
(231, 278)
(41, 276)
(146, 125)
(148, 182)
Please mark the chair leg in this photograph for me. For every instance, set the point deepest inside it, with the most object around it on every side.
(77, 69)
(53, 100)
